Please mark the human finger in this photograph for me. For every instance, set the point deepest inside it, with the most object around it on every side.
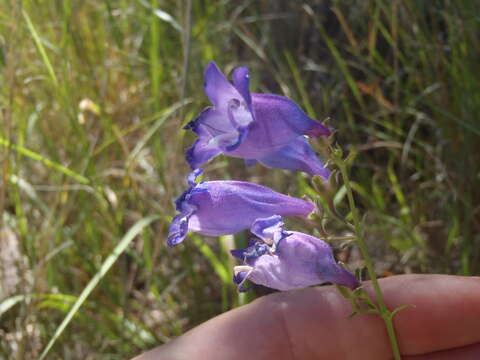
(313, 323)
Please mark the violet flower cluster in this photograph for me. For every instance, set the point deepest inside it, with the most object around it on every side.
(274, 131)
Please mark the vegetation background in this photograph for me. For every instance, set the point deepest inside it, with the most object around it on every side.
(94, 94)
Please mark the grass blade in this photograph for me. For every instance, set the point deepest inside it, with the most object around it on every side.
(40, 47)
(10, 302)
(107, 264)
(35, 156)
(217, 265)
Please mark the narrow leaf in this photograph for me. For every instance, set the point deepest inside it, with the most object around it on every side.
(107, 264)
(41, 48)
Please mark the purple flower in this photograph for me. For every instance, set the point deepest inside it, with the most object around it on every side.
(226, 207)
(288, 260)
(245, 125)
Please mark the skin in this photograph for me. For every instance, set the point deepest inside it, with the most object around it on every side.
(313, 323)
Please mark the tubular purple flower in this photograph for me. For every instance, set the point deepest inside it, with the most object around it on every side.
(297, 260)
(226, 207)
(245, 125)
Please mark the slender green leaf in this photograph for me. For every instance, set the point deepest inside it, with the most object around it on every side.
(107, 264)
(35, 156)
(40, 47)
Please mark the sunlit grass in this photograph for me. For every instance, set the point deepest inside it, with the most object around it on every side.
(94, 95)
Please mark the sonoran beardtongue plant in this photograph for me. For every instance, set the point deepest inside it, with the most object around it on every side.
(274, 131)
(263, 127)
(217, 208)
(287, 260)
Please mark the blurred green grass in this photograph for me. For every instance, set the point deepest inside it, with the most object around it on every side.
(94, 94)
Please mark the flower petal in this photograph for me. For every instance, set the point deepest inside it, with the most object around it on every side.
(179, 227)
(241, 81)
(231, 206)
(298, 156)
(270, 229)
(217, 87)
(201, 152)
(234, 141)
(240, 275)
(278, 122)
(210, 123)
(222, 128)
(215, 137)
(192, 177)
(251, 253)
(273, 108)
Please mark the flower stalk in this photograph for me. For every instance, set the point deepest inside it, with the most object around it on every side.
(384, 312)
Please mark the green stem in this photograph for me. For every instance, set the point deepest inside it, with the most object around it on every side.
(384, 312)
